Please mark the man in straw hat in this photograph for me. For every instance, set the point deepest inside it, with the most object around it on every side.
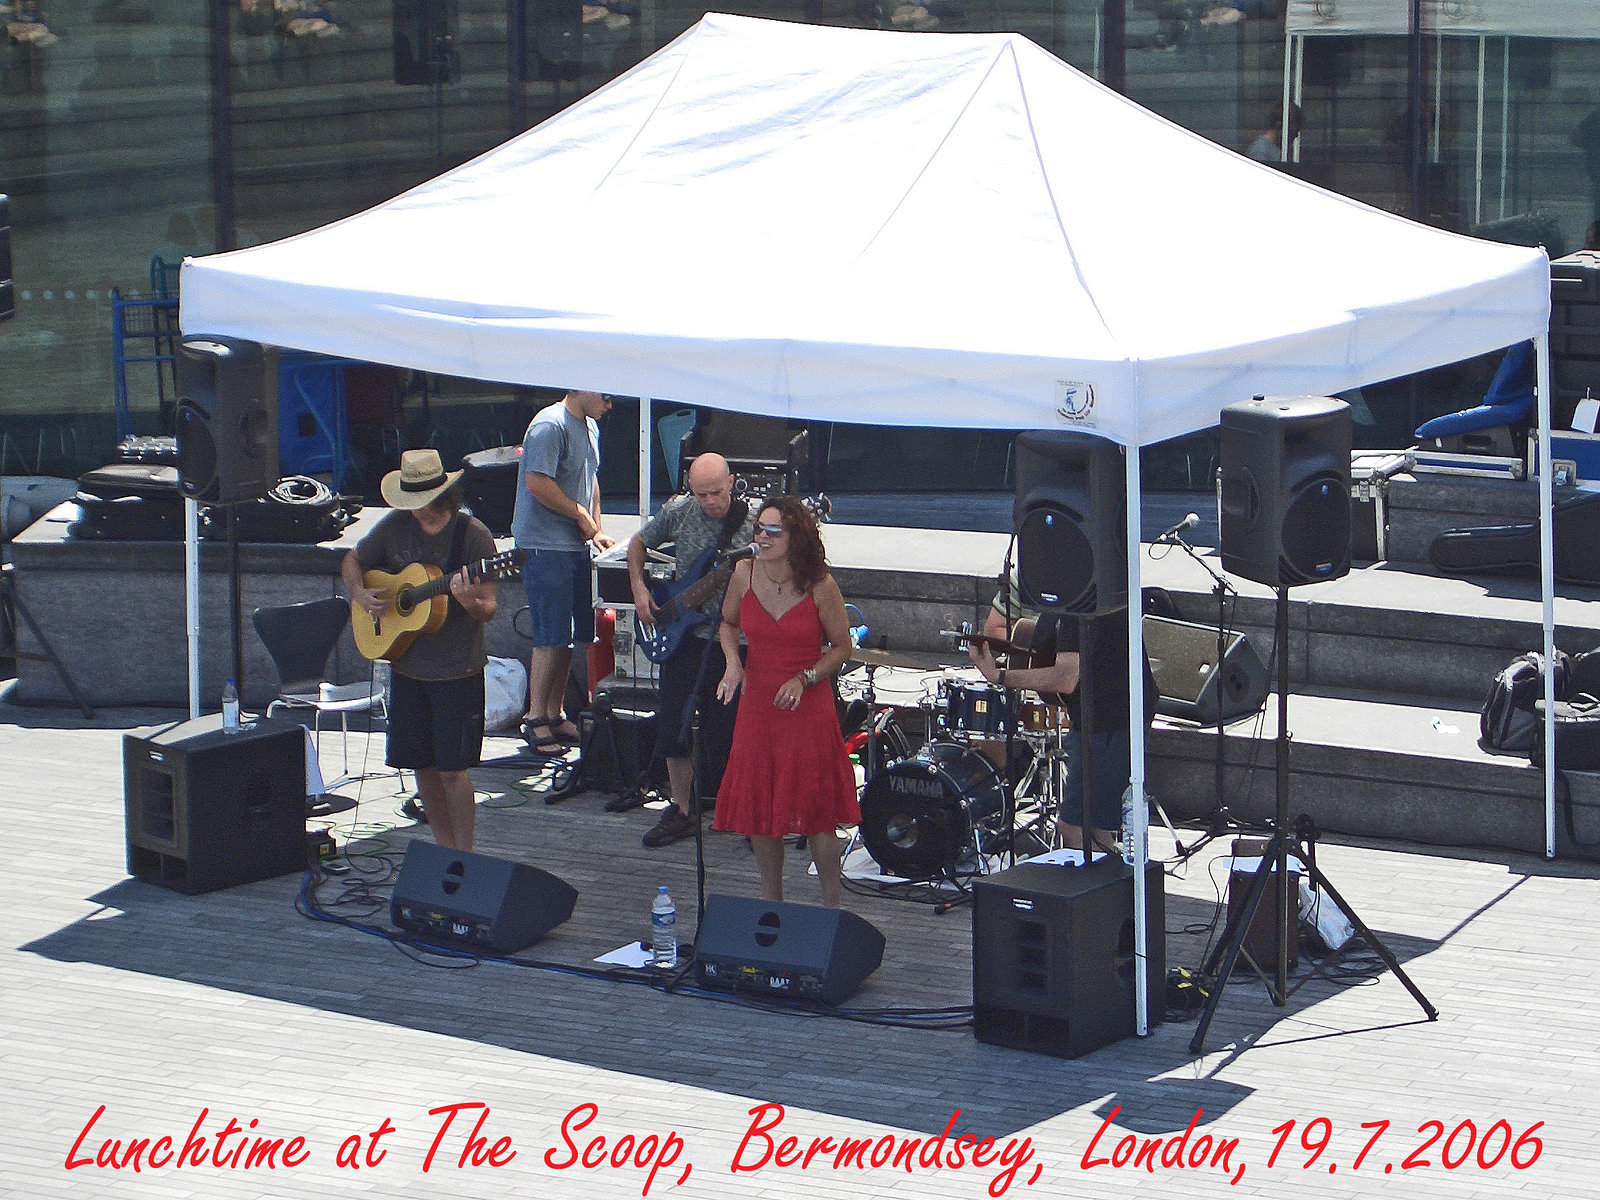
(436, 706)
(556, 519)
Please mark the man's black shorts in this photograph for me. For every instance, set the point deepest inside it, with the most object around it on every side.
(436, 723)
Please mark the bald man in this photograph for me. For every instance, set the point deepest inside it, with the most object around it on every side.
(707, 517)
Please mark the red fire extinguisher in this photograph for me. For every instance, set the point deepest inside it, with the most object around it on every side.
(602, 651)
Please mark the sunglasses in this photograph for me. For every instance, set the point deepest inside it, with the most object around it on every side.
(771, 530)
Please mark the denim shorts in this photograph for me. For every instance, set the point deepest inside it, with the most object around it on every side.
(560, 591)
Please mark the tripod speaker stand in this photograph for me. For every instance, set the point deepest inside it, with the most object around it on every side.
(1275, 861)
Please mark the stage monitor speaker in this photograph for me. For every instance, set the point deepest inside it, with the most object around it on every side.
(1183, 659)
(8, 293)
(457, 898)
(206, 809)
(1070, 523)
(779, 949)
(227, 419)
(490, 480)
(1286, 489)
(1052, 956)
(425, 34)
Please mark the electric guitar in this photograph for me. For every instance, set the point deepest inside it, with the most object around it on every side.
(678, 604)
(419, 601)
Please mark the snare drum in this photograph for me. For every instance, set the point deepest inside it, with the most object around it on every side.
(978, 710)
(918, 815)
(1035, 716)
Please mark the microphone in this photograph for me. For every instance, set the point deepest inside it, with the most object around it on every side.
(750, 551)
(1189, 522)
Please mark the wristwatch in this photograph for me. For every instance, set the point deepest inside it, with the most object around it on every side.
(810, 676)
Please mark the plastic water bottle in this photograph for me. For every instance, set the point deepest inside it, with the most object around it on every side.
(230, 706)
(1127, 825)
(664, 929)
(858, 636)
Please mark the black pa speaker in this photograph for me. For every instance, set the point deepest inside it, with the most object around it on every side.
(1052, 956)
(779, 949)
(457, 898)
(490, 480)
(8, 294)
(425, 33)
(206, 809)
(227, 419)
(1069, 516)
(1286, 489)
(1183, 659)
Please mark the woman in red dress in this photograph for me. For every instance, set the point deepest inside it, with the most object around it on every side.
(788, 772)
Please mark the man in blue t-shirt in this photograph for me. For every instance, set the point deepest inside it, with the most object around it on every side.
(556, 519)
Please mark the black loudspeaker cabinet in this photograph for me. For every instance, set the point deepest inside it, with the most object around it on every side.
(425, 42)
(554, 36)
(1052, 956)
(1286, 489)
(1183, 659)
(489, 483)
(457, 898)
(227, 419)
(8, 296)
(206, 809)
(779, 949)
(1069, 517)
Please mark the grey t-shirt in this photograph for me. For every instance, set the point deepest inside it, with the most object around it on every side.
(683, 522)
(397, 541)
(567, 449)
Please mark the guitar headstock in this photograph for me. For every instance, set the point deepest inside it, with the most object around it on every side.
(819, 506)
(505, 565)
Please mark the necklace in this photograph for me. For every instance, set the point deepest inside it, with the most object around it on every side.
(780, 584)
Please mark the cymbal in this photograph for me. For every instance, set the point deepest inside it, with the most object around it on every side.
(914, 660)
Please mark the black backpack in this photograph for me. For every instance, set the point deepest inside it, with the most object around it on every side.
(1508, 721)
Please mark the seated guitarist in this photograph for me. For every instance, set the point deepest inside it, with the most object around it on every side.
(436, 703)
(707, 518)
(1110, 757)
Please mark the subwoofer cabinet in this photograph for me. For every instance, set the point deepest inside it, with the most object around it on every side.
(1052, 956)
(206, 809)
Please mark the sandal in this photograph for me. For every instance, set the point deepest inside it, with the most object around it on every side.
(538, 735)
(558, 730)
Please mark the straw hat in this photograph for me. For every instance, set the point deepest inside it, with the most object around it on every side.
(420, 480)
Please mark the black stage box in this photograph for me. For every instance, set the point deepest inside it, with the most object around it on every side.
(206, 809)
(776, 949)
(1052, 956)
(489, 482)
(455, 897)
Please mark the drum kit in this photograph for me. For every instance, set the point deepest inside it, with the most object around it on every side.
(987, 781)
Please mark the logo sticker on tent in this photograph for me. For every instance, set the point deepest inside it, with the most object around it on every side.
(1075, 403)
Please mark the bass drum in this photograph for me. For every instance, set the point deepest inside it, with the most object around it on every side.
(918, 816)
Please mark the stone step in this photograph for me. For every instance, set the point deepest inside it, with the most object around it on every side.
(1374, 766)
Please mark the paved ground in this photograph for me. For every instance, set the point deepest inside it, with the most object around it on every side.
(171, 1010)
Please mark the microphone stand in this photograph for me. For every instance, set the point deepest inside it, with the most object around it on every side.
(689, 731)
(1220, 820)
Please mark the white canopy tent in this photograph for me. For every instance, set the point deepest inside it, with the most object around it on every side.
(885, 228)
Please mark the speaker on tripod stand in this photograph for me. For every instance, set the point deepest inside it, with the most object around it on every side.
(1285, 522)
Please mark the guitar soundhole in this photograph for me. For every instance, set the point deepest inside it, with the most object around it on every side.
(402, 603)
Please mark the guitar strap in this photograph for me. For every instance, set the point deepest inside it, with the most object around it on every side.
(457, 540)
(738, 510)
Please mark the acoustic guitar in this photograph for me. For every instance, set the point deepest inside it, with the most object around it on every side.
(1019, 657)
(419, 601)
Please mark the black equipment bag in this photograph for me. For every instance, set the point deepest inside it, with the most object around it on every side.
(489, 483)
(1577, 734)
(129, 502)
(1509, 719)
(1515, 548)
(298, 510)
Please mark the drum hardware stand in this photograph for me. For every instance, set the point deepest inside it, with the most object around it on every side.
(1275, 861)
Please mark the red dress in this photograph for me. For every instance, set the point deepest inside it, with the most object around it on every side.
(788, 771)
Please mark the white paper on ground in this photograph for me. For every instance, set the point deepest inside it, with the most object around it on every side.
(630, 955)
